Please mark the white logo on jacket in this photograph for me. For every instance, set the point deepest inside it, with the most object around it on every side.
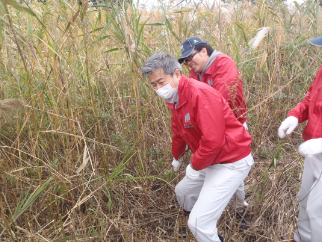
(187, 118)
(187, 122)
(210, 82)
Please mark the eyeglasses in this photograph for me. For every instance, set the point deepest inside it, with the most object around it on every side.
(189, 58)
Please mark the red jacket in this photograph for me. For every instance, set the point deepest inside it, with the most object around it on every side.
(204, 121)
(311, 109)
(223, 75)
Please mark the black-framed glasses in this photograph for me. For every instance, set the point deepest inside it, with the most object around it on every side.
(189, 58)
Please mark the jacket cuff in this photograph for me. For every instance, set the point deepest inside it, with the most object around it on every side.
(193, 168)
(294, 114)
(178, 152)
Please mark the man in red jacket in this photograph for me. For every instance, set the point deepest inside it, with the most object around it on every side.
(217, 70)
(221, 159)
(220, 72)
(310, 196)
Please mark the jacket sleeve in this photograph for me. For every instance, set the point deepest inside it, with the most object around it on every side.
(301, 111)
(211, 124)
(178, 143)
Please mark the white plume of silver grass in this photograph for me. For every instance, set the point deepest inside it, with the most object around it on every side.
(262, 32)
(132, 48)
(224, 10)
(192, 16)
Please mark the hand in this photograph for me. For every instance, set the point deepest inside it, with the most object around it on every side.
(311, 147)
(287, 126)
(191, 173)
(176, 164)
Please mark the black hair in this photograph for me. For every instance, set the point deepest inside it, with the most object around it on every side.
(203, 45)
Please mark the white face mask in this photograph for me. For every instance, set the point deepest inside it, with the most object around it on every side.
(167, 91)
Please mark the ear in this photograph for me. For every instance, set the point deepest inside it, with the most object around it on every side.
(204, 51)
(177, 73)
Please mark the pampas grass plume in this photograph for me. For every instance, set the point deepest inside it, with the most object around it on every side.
(262, 32)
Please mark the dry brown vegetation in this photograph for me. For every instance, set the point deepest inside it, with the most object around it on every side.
(76, 71)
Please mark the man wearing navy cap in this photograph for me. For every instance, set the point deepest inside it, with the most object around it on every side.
(309, 224)
(217, 70)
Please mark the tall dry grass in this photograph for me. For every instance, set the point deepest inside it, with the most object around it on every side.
(89, 159)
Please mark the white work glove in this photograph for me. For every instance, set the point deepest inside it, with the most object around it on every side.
(287, 126)
(191, 173)
(176, 164)
(311, 147)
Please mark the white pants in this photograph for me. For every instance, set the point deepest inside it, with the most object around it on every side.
(310, 200)
(240, 192)
(208, 196)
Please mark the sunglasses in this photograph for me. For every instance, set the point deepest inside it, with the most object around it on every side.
(189, 58)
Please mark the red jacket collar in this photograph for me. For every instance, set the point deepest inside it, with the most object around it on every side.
(181, 90)
(209, 71)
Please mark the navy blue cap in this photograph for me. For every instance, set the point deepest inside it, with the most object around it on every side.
(188, 45)
(317, 41)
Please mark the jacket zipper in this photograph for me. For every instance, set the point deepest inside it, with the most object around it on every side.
(185, 138)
